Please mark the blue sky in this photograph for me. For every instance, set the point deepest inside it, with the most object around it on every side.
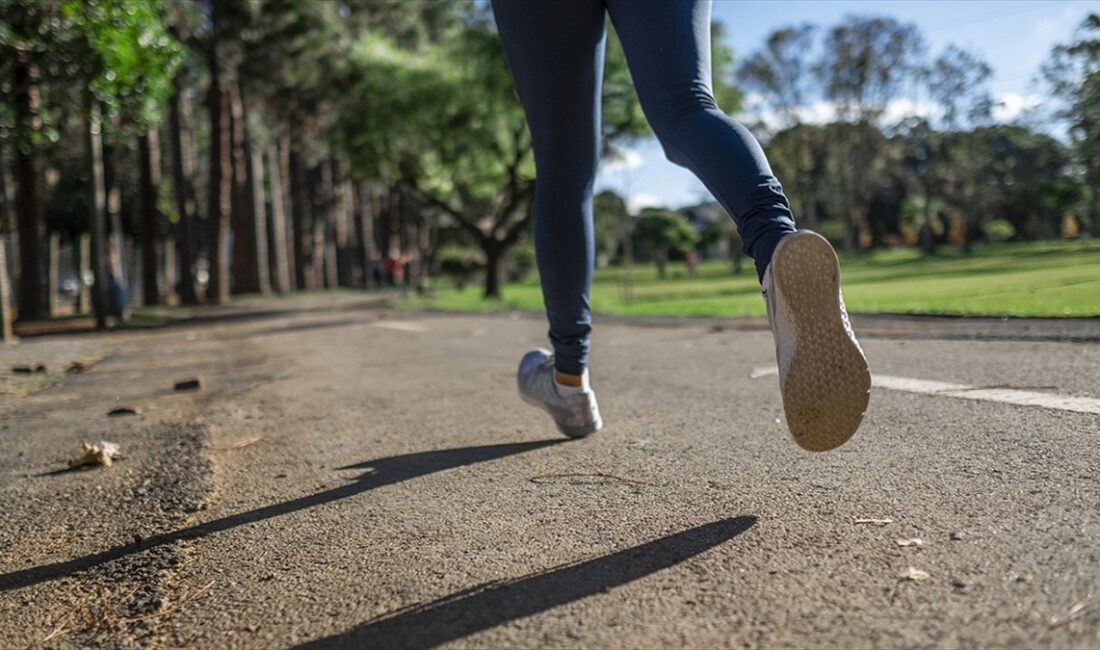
(1014, 37)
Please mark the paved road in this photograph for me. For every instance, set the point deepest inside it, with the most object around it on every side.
(350, 476)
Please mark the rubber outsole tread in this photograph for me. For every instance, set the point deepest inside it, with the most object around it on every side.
(826, 388)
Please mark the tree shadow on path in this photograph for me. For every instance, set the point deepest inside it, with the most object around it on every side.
(486, 606)
(384, 471)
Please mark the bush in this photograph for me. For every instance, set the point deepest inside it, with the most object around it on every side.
(1000, 230)
(460, 264)
(521, 261)
(1070, 227)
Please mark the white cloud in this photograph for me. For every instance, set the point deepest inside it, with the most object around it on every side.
(898, 109)
(823, 112)
(626, 160)
(1009, 106)
(636, 202)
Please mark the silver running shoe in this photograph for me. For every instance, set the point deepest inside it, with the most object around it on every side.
(823, 373)
(576, 415)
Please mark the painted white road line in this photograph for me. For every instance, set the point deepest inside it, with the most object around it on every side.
(763, 371)
(400, 326)
(1003, 395)
(963, 391)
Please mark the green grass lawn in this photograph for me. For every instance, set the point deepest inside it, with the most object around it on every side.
(1025, 279)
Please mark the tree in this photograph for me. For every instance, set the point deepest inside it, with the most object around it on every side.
(615, 232)
(467, 158)
(801, 153)
(127, 63)
(865, 62)
(1011, 172)
(781, 72)
(1073, 74)
(661, 230)
(923, 159)
(149, 146)
(219, 198)
(28, 30)
(723, 234)
(111, 56)
(613, 224)
(957, 82)
(183, 174)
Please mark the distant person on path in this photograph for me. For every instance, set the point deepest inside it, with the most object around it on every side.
(556, 54)
(395, 268)
(691, 261)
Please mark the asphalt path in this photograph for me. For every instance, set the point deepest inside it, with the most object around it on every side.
(353, 476)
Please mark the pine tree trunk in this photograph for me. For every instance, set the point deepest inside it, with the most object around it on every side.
(6, 333)
(183, 170)
(317, 277)
(8, 220)
(97, 207)
(403, 238)
(343, 231)
(342, 223)
(365, 221)
(300, 217)
(221, 177)
(116, 241)
(83, 271)
(494, 269)
(168, 268)
(53, 273)
(244, 262)
(281, 266)
(149, 145)
(332, 271)
(288, 207)
(27, 124)
(259, 217)
(426, 245)
(324, 271)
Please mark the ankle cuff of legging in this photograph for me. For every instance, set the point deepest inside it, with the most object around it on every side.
(568, 366)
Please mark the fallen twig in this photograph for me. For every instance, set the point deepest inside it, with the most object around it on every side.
(241, 444)
(548, 478)
(168, 610)
(1074, 612)
(90, 621)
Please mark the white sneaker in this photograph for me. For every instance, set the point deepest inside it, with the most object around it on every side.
(577, 414)
(823, 374)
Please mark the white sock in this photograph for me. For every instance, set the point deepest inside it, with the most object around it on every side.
(566, 391)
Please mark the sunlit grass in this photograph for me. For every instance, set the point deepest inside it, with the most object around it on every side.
(1025, 279)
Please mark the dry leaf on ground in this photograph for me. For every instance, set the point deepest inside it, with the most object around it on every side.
(102, 453)
(913, 574)
(916, 541)
(877, 522)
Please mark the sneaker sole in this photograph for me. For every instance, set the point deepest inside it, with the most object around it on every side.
(827, 386)
(572, 432)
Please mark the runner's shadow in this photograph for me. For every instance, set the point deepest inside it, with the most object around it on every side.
(384, 471)
(486, 606)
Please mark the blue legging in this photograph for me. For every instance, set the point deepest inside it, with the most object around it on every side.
(555, 49)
